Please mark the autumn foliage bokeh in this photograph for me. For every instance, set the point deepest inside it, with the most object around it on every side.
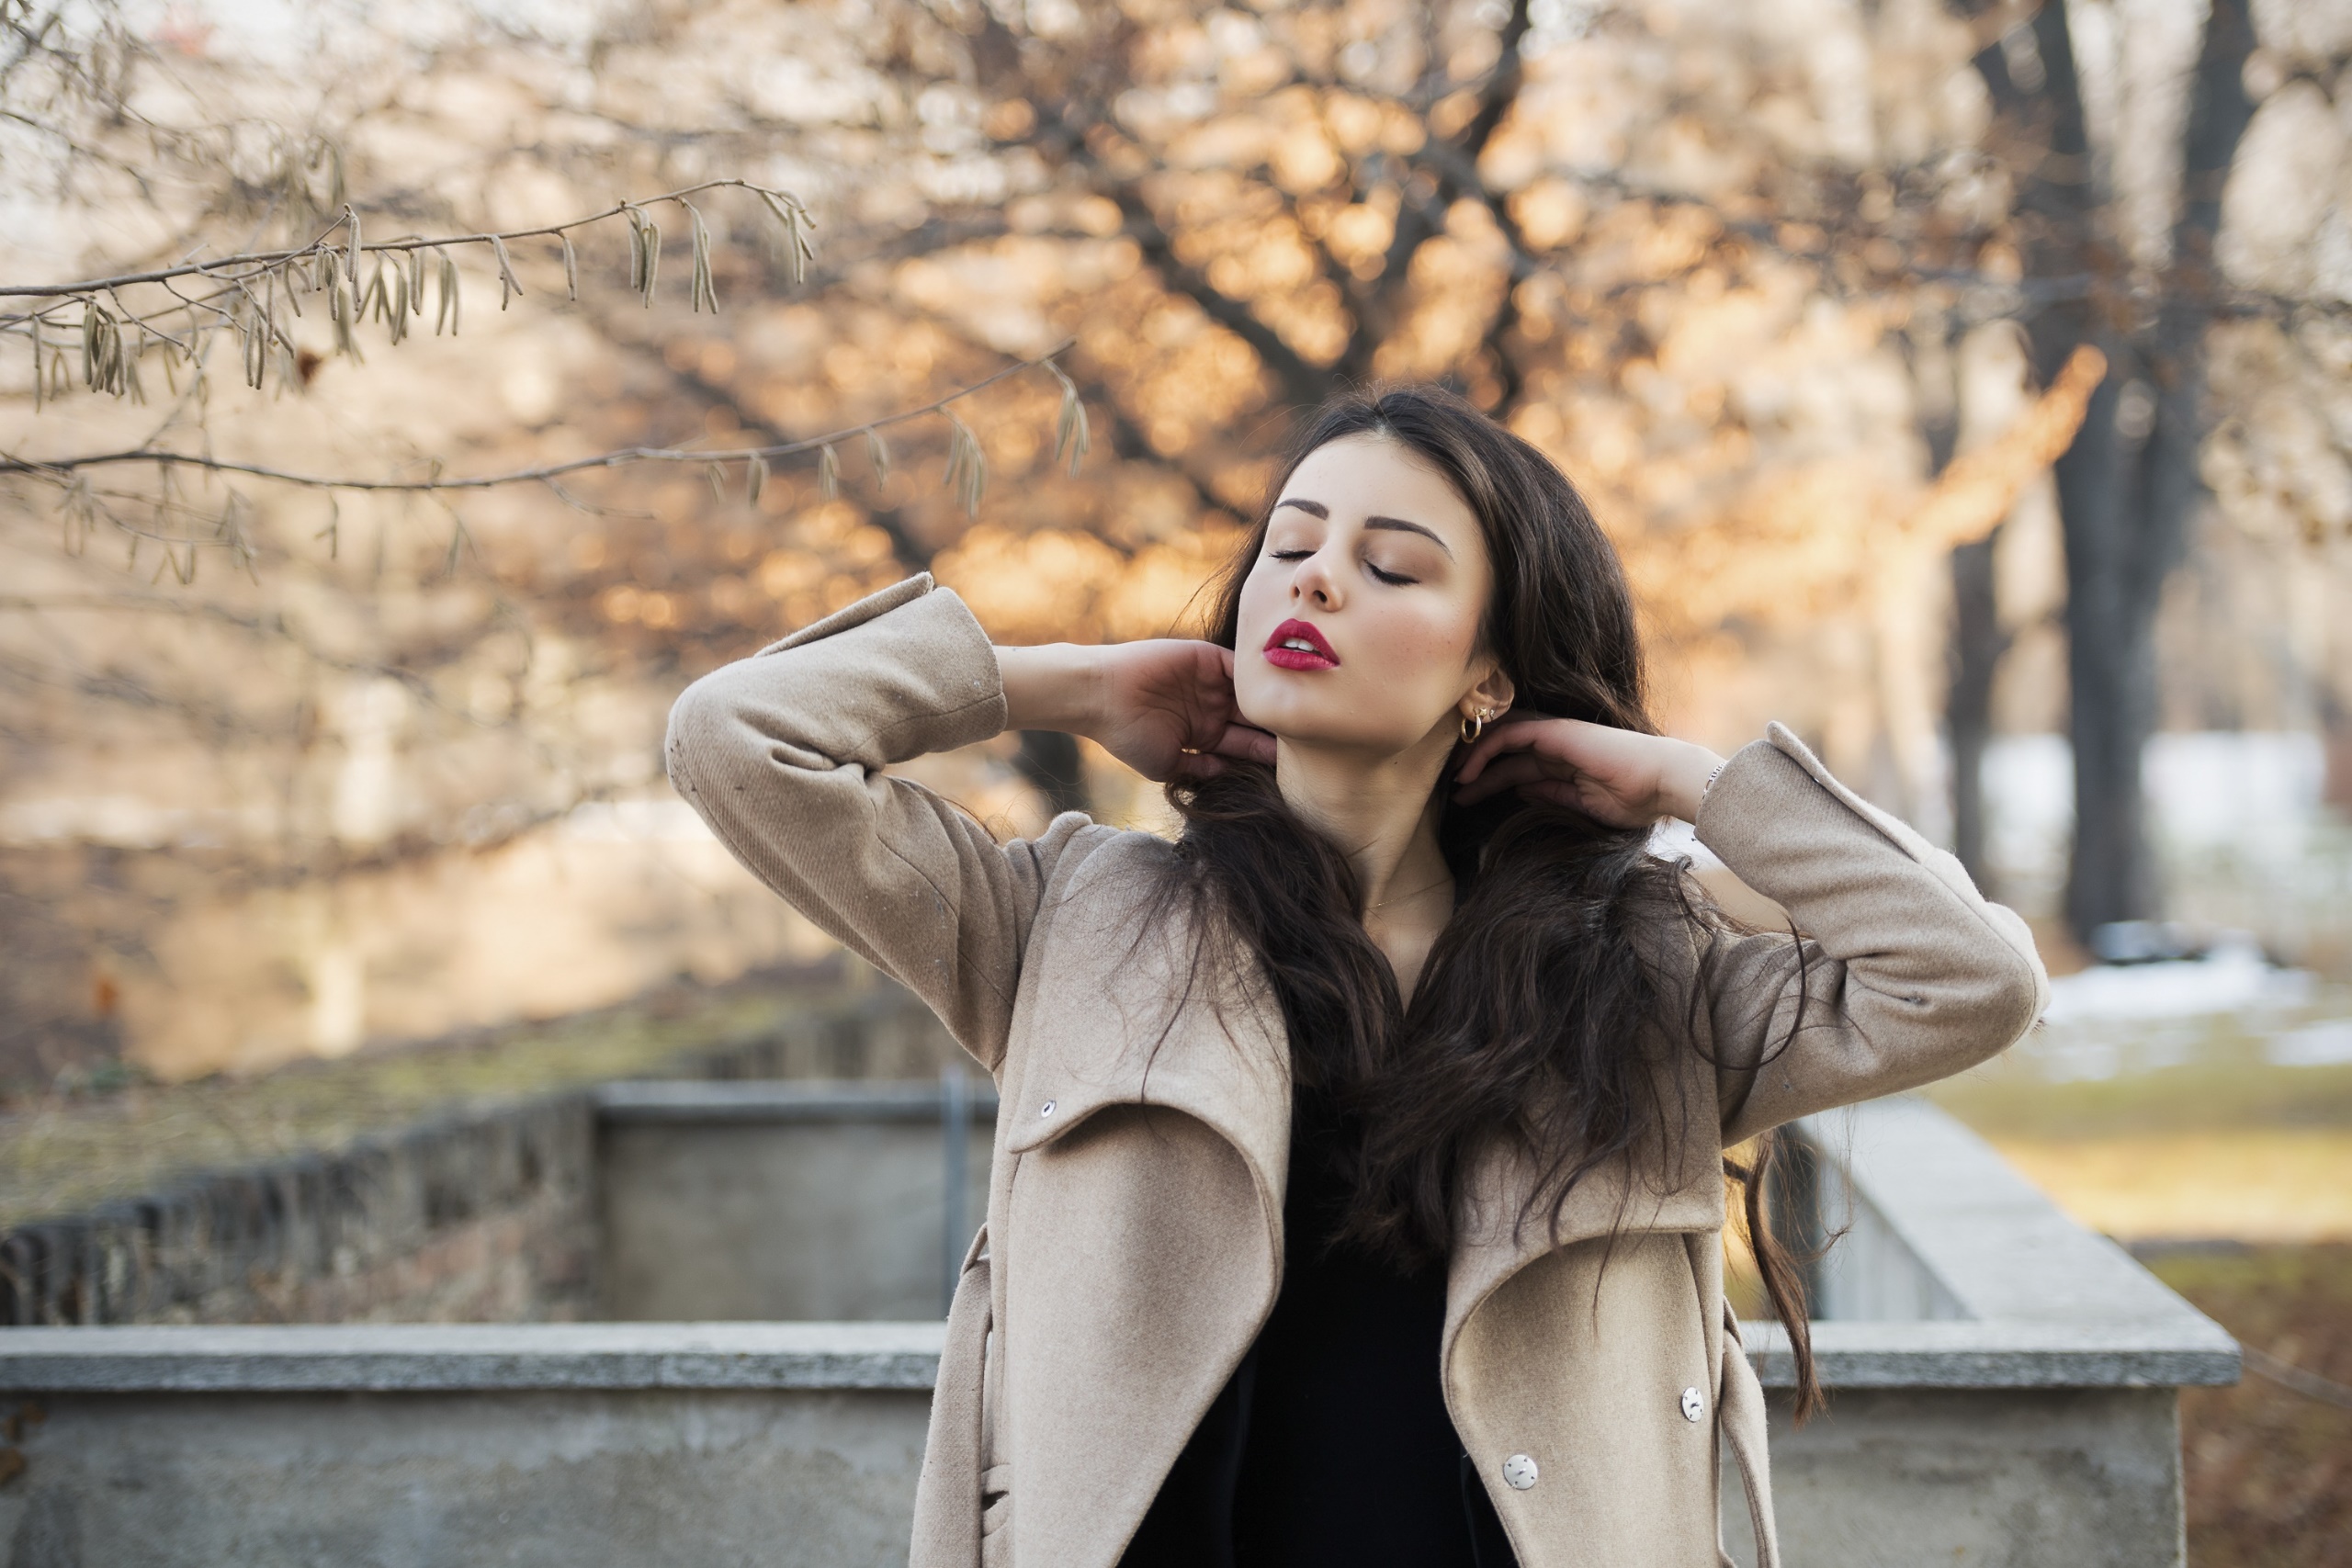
(1752, 274)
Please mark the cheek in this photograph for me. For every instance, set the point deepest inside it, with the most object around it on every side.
(1264, 604)
(1418, 645)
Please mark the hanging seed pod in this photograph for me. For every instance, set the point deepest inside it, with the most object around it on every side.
(756, 479)
(507, 280)
(416, 280)
(396, 301)
(571, 270)
(332, 153)
(40, 391)
(878, 454)
(967, 473)
(77, 513)
(342, 308)
(702, 289)
(92, 314)
(795, 218)
(102, 368)
(1070, 433)
(644, 254)
(828, 471)
(954, 470)
(447, 310)
(351, 215)
(718, 478)
(372, 302)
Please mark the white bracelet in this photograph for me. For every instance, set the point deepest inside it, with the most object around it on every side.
(1712, 777)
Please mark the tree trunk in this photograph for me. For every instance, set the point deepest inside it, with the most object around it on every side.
(1977, 644)
(2112, 542)
(2128, 485)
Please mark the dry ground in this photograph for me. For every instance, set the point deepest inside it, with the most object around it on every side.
(2271, 1469)
(2232, 1180)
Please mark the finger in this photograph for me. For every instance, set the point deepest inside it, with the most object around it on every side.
(1598, 807)
(1197, 766)
(1506, 773)
(1508, 736)
(1246, 742)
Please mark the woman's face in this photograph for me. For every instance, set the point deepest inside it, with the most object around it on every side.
(1359, 620)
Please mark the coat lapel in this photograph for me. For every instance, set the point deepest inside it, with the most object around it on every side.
(1206, 1040)
(1681, 1189)
(1138, 1197)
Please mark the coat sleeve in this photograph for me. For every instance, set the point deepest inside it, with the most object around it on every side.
(1903, 975)
(783, 754)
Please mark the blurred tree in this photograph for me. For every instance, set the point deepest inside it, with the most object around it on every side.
(2128, 484)
(1709, 257)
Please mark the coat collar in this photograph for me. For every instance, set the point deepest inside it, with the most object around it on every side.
(1204, 1039)
(1208, 1040)
(1657, 1188)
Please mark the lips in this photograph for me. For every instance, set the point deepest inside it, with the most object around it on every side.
(1297, 645)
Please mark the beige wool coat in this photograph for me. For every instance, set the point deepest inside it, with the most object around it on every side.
(1134, 1240)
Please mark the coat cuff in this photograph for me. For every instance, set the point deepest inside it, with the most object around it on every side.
(1756, 819)
(912, 647)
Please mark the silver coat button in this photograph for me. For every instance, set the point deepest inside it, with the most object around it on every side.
(1693, 1405)
(1519, 1473)
(1047, 1109)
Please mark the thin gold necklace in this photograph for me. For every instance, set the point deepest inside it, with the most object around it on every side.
(1416, 892)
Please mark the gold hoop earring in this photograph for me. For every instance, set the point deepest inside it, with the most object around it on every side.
(1473, 727)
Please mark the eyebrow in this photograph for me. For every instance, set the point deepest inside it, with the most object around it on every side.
(1391, 525)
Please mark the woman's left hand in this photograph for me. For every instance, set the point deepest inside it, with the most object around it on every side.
(1620, 777)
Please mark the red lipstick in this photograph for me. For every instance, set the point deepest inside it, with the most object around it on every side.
(1297, 645)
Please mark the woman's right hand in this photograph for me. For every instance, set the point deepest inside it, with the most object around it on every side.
(1164, 706)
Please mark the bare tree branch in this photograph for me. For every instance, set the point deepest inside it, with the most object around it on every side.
(252, 263)
(57, 467)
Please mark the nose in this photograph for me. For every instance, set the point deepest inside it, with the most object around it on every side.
(1315, 583)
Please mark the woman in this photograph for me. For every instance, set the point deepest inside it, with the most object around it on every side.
(1358, 1192)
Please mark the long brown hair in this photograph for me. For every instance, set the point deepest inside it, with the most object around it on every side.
(1537, 1015)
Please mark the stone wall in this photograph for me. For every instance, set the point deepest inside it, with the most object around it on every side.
(488, 1215)
(484, 1216)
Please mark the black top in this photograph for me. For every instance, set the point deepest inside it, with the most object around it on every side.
(1331, 1444)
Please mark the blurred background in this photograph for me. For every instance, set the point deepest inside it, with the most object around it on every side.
(1968, 386)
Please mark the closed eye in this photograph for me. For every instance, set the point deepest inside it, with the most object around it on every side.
(1394, 579)
(1289, 555)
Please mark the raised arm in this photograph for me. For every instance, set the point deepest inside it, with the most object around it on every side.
(783, 754)
(1906, 972)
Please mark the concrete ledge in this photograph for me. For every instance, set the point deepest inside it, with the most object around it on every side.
(848, 1356)
(1989, 1355)
(720, 1101)
(1989, 1236)
(423, 1357)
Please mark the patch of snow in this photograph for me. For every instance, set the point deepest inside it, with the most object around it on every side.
(2326, 1043)
(2231, 980)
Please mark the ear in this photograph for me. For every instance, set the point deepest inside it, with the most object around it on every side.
(1491, 695)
